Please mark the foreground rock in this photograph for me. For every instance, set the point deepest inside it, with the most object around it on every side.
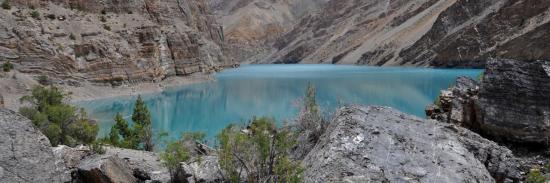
(107, 170)
(205, 169)
(116, 165)
(379, 144)
(515, 100)
(25, 154)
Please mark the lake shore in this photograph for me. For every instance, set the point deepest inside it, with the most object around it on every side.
(91, 91)
(16, 85)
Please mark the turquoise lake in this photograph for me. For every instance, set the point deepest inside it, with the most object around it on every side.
(275, 91)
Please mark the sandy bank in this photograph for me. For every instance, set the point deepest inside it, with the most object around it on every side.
(14, 85)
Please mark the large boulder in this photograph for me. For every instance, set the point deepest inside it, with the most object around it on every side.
(132, 165)
(379, 144)
(515, 100)
(145, 165)
(99, 169)
(25, 154)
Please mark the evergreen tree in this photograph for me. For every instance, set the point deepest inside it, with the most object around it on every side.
(142, 124)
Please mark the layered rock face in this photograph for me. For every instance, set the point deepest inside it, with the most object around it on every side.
(111, 41)
(444, 33)
(379, 144)
(25, 154)
(515, 100)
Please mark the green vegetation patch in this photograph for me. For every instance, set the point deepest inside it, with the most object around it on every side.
(62, 123)
(6, 5)
(7, 66)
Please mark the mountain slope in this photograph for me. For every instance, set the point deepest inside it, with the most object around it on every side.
(251, 26)
(448, 33)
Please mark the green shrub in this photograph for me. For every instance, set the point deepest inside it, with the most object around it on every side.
(106, 27)
(103, 12)
(7, 67)
(97, 148)
(174, 153)
(535, 176)
(43, 80)
(102, 19)
(61, 123)
(6, 5)
(35, 14)
(72, 37)
(262, 153)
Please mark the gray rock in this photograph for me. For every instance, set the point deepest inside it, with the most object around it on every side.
(205, 169)
(25, 154)
(142, 161)
(101, 169)
(515, 100)
(379, 144)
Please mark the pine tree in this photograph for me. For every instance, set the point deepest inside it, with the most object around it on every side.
(143, 127)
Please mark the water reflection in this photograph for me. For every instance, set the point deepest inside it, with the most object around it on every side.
(272, 90)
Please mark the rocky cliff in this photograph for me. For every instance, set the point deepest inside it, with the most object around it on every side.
(511, 104)
(514, 100)
(443, 33)
(111, 41)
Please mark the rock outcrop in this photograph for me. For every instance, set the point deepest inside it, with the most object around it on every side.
(379, 144)
(515, 101)
(111, 41)
(25, 154)
(511, 104)
(458, 105)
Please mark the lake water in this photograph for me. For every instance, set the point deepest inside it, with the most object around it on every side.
(275, 91)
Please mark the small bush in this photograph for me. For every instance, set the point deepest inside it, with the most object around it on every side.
(130, 12)
(97, 148)
(35, 14)
(535, 176)
(6, 5)
(103, 12)
(106, 27)
(72, 37)
(7, 67)
(262, 153)
(174, 153)
(102, 19)
(43, 80)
